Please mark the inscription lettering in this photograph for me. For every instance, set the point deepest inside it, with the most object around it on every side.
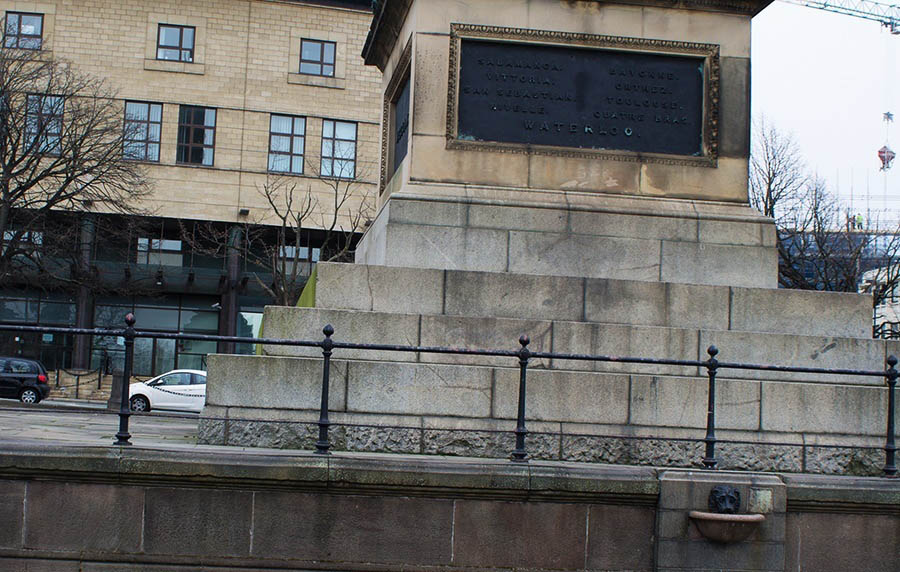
(580, 97)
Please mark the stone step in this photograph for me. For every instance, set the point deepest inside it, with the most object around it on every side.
(280, 388)
(575, 338)
(599, 300)
(606, 236)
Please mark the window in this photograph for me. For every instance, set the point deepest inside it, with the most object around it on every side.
(175, 43)
(44, 123)
(23, 31)
(338, 149)
(196, 135)
(143, 124)
(317, 57)
(159, 252)
(286, 143)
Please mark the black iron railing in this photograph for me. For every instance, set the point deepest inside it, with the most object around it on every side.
(519, 454)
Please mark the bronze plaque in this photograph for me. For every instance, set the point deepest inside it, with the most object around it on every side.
(580, 97)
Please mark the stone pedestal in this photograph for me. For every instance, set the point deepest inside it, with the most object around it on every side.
(519, 195)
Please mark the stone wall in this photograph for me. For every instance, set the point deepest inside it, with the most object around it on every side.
(203, 509)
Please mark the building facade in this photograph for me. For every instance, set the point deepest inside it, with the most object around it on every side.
(220, 98)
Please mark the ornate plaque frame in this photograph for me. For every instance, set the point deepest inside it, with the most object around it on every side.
(709, 52)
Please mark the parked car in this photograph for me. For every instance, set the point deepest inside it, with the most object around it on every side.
(177, 390)
(23, 379)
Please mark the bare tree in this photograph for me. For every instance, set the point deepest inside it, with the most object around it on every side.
(302, 226)
(777, 170)
(820, 245)
(61, 149)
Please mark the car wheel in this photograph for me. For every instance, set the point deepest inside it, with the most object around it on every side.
(29, 395)
(140, 404)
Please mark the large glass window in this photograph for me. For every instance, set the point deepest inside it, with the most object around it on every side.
(338, 149)
(159, 252)
(287, 138)
(44, 123)
(23, 31)
(143, 125)
(317, 57)
(196, 135)
(175, 43)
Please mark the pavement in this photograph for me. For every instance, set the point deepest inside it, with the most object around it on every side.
(81, 422)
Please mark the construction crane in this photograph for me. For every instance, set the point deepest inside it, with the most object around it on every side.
(887, 14)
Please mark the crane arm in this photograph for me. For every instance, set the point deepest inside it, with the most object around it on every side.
(887, 14)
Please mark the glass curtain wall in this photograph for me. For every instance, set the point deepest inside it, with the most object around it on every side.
(178, 313)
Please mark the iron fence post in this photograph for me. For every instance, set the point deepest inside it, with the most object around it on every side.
(712, 364)
(519, 455)
(322, 445)
(123, 435)
(890, 449)
(99, 377)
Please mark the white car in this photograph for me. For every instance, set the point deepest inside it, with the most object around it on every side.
(179, 390)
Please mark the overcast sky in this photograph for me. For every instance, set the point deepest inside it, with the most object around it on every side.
(827, 79)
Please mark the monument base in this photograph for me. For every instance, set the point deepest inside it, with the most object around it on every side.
(574, 234)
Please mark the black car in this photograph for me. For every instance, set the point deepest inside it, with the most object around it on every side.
(23, 379)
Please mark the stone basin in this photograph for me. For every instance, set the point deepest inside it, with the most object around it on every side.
(725, 528)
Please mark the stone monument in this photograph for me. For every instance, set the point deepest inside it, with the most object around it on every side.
(575, 171)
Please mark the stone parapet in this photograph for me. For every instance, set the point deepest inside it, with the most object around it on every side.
(574, 415)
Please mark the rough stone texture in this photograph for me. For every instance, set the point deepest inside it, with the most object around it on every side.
(380, 440)
(210, 431)
(844, 461)
(617, 450)
(109, 511)
(766, 457)
(498, 534)
(272, 434)
(496, 445)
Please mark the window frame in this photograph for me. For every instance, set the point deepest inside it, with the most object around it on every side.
(147, 141)
(180, 47)
(290, 153)
(321, 61)
(189, 145)
(19, 35)
(332, 157)
(41, 123)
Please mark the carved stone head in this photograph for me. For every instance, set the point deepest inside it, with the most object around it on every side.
(724, 499)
